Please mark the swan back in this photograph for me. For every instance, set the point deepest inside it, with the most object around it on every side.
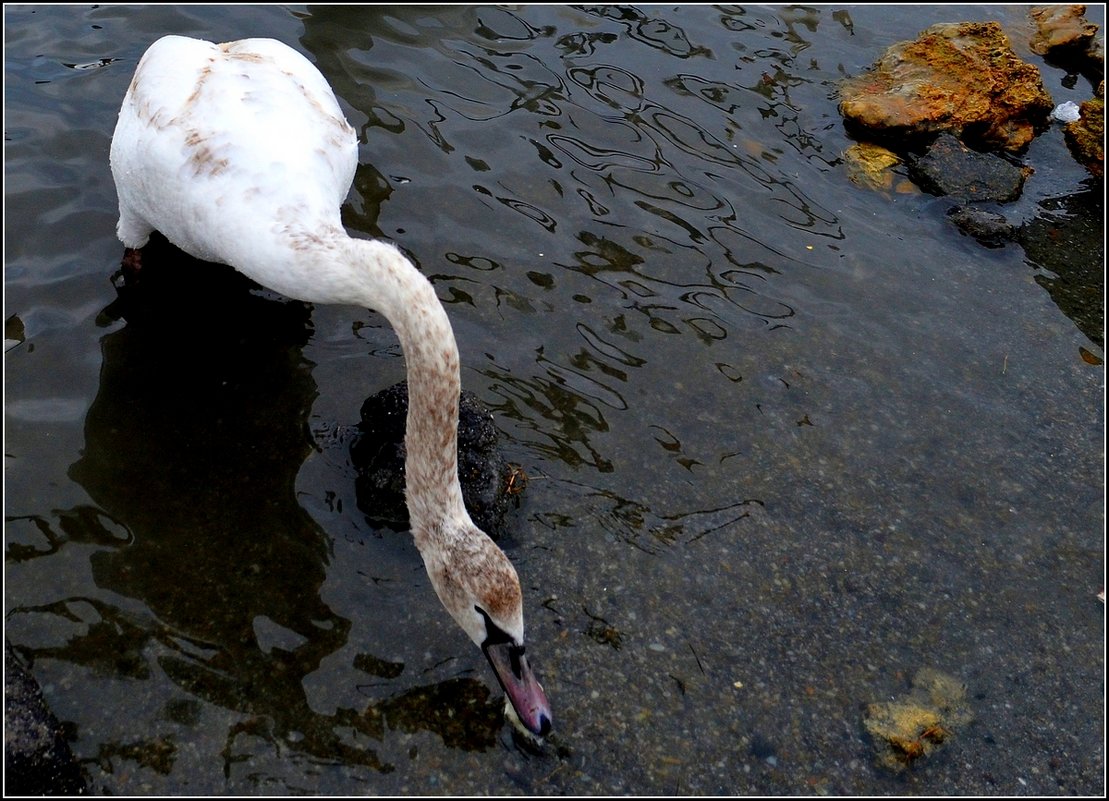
(229, 149)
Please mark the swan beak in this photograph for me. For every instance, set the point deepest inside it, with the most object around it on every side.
(520, 686)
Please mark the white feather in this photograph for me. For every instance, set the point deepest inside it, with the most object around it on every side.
(214, 141)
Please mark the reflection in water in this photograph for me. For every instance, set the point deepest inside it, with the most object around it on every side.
(1066, 240)
(193, 445)
(569, 416)
(651, 31)
(80, 524)
(640, 526)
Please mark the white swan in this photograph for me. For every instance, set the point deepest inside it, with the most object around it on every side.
(238, 153)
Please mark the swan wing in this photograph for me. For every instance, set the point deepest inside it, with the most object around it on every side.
(218, 146)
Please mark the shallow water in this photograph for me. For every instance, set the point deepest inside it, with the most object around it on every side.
(789, 440)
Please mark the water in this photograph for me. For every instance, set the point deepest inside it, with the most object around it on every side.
(788, 440)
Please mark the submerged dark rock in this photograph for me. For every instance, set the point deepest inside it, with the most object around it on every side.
(950, 168)
(988, 227)
(378, 454)
(37, 758)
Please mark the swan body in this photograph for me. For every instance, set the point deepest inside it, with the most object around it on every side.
(239, 153)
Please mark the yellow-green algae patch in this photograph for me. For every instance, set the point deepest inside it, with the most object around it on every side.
(916, 726)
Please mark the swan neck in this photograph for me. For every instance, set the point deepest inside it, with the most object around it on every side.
(396, 289)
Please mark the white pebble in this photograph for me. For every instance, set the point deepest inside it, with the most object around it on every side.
(1066, 112)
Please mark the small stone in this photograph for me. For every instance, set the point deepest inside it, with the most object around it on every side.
(989, 228)
(871, 166)
(1066, 112)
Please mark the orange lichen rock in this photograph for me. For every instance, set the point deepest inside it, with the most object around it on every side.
(963, 78)
(1086, 135)
(1060, 26)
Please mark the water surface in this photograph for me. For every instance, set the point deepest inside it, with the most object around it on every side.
(789, 440)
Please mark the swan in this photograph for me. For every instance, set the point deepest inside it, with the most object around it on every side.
(238, 153)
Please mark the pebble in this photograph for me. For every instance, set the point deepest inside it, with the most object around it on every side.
(1066, 112)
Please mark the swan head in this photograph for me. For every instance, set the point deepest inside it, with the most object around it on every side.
(478, 585)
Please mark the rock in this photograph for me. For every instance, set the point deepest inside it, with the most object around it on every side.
(37, 758)
(962, 78)
(870, 166)
(488, 481)
(1086, 136)
(1095, 55)
(1060, 27)
(914, 727)
(989, 228)
(1066, 112)
(951, 168)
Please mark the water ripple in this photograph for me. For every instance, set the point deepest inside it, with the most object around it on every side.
(655, 532)
(654, 32)
(611, 85)
(598, 158)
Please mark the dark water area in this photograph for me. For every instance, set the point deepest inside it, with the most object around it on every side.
(789, 440)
